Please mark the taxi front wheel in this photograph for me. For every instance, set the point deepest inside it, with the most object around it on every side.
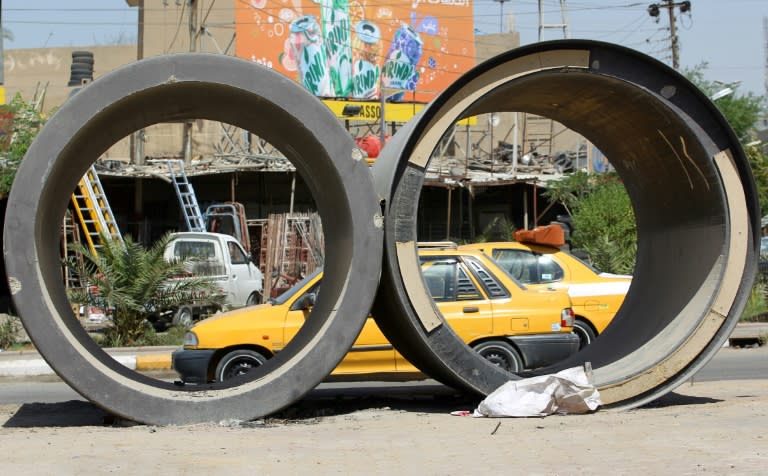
(501, 354)
(237, 363)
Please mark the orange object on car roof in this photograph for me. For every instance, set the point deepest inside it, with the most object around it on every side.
(552, 235)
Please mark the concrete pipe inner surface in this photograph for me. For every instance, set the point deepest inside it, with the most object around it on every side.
(690, 186)
(174, 88)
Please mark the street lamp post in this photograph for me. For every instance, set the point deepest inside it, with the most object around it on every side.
(727, 90)
(501, 15)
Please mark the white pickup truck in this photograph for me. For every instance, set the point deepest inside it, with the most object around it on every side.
(222, 258)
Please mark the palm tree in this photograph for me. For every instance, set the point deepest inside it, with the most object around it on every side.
(132, 282)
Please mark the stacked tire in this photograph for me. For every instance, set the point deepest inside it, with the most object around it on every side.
(81, 72)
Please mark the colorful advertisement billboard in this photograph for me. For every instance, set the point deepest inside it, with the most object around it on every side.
(352, 49)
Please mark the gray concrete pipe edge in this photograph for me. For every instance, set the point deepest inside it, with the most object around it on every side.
(689, 182)
(176, 87)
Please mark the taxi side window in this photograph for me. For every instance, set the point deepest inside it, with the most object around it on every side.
(448, 281)
(527, 267)
(548, 271)
(465, 288)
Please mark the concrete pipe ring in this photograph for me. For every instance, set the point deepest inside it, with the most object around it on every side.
(690, 186)
(173, 88)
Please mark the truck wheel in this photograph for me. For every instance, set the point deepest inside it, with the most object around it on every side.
(253, 299)
(501, 354)
(183, 317)
(160, 324)
(237, 363)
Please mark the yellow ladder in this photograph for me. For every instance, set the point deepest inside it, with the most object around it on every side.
(93, 211)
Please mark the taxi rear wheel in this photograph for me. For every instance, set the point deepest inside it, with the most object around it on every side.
(501, 354)
(586, 334)
(237, 363)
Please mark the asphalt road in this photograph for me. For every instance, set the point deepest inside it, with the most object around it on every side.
(733, 363)
(728, 364)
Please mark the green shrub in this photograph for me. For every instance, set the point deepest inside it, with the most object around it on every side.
(499, 229)
(24, 126)
(9, 330)
(174, 336)
(604, 226)
(757, 303)
(133, 282)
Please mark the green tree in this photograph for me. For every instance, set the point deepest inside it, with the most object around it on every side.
(21, 122)
(604, 226)
(131, 282)
(570, 189)
(603, 221)
(499, 229)
(740, 110)
(758, 160)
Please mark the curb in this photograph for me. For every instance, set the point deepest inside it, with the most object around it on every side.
(153, 362)
(29, 364)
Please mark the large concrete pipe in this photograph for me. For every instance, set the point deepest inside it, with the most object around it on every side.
(172, 88)
(690, 186)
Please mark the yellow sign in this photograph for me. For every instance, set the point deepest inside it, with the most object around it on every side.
(370, 111)
(2, 94)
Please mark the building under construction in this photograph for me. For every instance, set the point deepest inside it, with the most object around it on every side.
(488, 168)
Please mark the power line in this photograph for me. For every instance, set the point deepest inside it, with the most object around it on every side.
(654, 10)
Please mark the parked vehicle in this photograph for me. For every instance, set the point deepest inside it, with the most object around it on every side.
(596, 296)
(762, 263)
(228, 218)
(222, 258)
(513, 327)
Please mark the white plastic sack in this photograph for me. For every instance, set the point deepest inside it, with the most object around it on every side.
(568, 391)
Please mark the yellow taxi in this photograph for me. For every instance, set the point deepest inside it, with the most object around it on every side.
(511, 326)
(596, 297)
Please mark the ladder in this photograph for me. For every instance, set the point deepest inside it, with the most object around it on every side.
(542, 129)
(93, 211)
(193, 217)
(70, 234)
(563, 25)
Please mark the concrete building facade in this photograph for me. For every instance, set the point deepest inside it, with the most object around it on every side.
(220, 161)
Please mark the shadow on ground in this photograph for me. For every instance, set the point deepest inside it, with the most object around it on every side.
(324, 402)
(64, 414)
(318, 403)
(674, 399)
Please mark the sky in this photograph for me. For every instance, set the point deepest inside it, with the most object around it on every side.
(726, 34)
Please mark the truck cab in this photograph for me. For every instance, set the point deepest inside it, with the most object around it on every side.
(222, 258)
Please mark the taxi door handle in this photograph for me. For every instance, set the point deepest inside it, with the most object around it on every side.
(468, 310)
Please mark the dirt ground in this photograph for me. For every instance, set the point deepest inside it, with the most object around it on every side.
(701, 428)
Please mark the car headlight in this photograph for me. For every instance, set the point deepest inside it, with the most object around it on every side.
(190, 339)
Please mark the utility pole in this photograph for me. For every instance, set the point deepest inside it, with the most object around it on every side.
(2, 57)
(192, 48)
(654, 10)
(193, 27)
(501, 15)
(765, 36)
